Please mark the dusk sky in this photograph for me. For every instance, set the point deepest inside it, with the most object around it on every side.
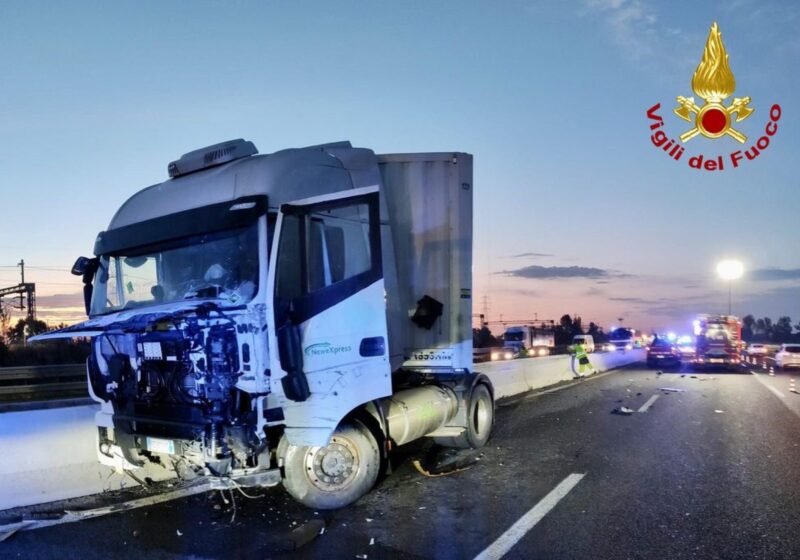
(575, 210)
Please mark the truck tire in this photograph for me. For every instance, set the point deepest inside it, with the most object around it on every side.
(336, 475)
(480, 419)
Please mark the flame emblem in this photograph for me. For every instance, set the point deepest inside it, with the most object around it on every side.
(713, 81)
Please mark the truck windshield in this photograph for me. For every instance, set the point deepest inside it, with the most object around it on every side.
(220, 266)
(513, 336)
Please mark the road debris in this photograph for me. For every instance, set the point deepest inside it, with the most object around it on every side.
(361, 556)
(372, 541)
(623, 410)
(671, 390)
(178, 532)
(719, 411)
(305, 533)
(659, 373)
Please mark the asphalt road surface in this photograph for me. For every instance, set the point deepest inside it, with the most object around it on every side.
(708, 469)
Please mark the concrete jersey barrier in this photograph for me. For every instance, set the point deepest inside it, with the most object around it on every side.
(512, 377)
(50, 454)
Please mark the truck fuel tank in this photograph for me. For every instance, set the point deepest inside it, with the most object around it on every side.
(414, 413)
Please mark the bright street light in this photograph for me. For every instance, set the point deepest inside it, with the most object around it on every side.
(730, 270)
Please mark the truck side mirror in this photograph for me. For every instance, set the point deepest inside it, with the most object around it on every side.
(82, 264)
(86, 267)
(290, 354)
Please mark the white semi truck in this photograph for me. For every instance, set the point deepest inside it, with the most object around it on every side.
(288, 318)
(536, 341)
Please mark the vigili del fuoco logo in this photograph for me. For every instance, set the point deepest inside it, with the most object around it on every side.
(713, 83)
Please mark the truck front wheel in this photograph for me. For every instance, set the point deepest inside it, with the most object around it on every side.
(480, 419)
(336, 475)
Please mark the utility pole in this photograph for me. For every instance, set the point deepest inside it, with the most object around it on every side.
(21, 265)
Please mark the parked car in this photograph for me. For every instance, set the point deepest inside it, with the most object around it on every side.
(756, 349)
(788, 356)
(662, 352)
(586, 339)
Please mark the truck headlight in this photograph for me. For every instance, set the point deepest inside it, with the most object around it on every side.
(628, 347)
(508, 356)
(543, 352)
(495, 356)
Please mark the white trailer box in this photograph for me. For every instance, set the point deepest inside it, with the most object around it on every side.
(428, 199)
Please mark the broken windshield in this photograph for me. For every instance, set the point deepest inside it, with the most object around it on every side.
(221, 266)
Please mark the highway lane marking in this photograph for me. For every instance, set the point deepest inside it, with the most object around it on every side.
(514, 534)
(768, 385)
(778, 393)
(515, 399)
(648, 404)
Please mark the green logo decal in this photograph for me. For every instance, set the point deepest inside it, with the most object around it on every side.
(325, 349)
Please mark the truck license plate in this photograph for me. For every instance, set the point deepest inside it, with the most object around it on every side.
(158, 445)
(716, 360)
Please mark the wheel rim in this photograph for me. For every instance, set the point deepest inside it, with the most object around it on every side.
(334, 467)
(482, 416)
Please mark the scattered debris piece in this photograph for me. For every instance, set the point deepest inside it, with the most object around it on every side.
(422, 507)
(671, 390)
(372, 541)
(718, 411)
(361, 556)
(693, 377)
(659, 373)
(178, 532)
(305, 533)
(623, 410)
(369, 520)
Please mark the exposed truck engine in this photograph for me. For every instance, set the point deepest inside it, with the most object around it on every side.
(288, 318)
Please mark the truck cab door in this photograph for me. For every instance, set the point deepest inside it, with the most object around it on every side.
(330, 349)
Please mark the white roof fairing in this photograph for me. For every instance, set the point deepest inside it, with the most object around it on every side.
(284, 176)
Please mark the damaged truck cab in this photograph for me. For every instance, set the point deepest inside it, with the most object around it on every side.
(287, 318)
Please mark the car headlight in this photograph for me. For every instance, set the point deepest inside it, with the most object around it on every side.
(628, 347)
(609, 347)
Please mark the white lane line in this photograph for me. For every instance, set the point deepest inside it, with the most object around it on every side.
(512, 536)
(768, 385)
(648, 404)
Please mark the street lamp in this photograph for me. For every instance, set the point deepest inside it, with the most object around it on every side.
(730, 270)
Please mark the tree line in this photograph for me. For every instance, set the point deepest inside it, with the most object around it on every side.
(764, 330)
(15, 352)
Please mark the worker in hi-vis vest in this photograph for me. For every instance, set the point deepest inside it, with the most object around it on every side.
(581, 358)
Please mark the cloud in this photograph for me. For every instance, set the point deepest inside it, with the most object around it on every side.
(521, 292)
(550, 272)
(524, 255)
(631, 22)
(770, 274)
(60, 300)
(594, 292)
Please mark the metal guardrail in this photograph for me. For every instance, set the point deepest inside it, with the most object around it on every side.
(43, 383)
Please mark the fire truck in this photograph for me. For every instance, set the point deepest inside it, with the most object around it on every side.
(718, 341)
